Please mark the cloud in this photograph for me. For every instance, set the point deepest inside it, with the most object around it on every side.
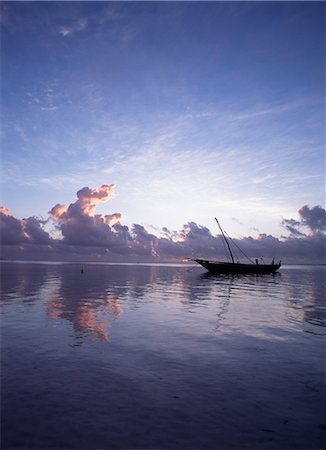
(85, 203)
(102, 194)
(34, 231)
(313, 219)
(11, 229)
(292, 226)
(78, 223)
(86, 234)
(80, 25)
(26, 231)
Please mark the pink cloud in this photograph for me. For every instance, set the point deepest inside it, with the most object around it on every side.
(4, 211)
(85, 204)
(78, 222)
(58, 211)
(101, 194)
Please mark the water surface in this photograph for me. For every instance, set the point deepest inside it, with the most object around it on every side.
(162, 357)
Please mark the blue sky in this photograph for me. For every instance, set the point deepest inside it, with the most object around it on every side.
(193, 110)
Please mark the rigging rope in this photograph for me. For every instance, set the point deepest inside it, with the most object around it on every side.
(238, 247)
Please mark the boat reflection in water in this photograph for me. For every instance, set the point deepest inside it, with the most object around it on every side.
(236, 267)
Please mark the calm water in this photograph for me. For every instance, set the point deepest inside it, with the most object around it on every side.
(162, 357)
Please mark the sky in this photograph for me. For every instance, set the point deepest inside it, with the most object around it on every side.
(192, 110)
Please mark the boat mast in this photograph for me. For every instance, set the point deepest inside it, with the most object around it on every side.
(225, 240)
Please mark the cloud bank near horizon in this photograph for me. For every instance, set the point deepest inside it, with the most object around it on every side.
(86, 234)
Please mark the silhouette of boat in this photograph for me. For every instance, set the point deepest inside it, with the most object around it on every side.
(233, 267)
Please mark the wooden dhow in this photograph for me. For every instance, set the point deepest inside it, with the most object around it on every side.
(234, 267)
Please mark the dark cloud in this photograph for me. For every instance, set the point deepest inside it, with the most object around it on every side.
(314, 218)
(35, 232)
(307, 249)
(198, 239)
(11, 229)
(292, 226)
(88, 235)
(311, 219)
(143, 242)
(14, 231)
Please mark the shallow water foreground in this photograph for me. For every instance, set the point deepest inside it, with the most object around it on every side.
(162, 357)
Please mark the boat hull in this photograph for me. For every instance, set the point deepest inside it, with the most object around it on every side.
(236, 268)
